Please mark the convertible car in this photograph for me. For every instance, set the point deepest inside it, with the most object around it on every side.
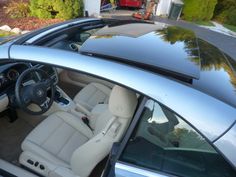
(105, 97)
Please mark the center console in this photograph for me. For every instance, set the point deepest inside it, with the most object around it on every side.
(62, 102)
(61, 99)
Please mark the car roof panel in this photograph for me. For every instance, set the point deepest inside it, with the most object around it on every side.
(148, 44)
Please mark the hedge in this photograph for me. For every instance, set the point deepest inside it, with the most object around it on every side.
(225, 12)
(198, 10)
(63, 9)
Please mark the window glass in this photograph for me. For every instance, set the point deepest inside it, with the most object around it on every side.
(164, 142)
(71, 39)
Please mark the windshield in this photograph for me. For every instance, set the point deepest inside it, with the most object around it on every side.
(4, 40)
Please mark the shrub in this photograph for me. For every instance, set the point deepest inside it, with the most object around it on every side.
(64, 9)
(231, 17)
(225, 12)
(17, 9)
(198, 10)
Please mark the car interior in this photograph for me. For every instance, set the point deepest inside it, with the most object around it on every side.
(69, 39)
(57, 122)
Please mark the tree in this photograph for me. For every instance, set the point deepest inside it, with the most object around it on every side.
(64, 9)
(225, 12)
(198, 10)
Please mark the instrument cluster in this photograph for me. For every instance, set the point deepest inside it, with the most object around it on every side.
(9, 75)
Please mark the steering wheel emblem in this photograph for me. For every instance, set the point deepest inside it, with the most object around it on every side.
(40, 92)
(35, 92)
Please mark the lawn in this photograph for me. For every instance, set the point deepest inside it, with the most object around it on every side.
(4, 33)
(230, 27)
(204, 23)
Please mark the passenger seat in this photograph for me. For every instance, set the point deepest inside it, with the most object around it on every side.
(91, 95)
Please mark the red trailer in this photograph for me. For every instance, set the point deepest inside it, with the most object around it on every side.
(130, 3)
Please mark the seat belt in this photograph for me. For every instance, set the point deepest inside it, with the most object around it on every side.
(86, 121)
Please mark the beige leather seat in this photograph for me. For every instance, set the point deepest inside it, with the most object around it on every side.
(62, 145)
(91, 95)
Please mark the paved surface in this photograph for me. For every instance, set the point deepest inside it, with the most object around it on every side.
(224, 42)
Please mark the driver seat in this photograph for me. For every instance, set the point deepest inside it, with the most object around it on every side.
(63, 145)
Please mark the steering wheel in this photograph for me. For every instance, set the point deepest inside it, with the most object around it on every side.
(34, 91)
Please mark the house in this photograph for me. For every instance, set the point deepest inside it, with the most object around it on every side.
(92, 7)
(163, 7)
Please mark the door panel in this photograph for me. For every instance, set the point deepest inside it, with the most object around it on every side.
(81, 80)
(123, 170)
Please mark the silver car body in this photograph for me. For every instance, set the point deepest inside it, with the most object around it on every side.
(210, 116)
(213, 118)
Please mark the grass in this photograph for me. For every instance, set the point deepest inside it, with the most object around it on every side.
(5, 33)
(230, 27)
(204, 23)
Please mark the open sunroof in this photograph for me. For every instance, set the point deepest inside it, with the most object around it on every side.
(167, 48)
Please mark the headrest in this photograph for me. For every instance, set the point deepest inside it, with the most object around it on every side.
(122, 102)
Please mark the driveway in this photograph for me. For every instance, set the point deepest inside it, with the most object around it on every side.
(224, 42)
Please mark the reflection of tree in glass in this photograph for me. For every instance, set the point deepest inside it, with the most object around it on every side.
(175, 34)
(212, 58)
(188, 138)
(103, 36)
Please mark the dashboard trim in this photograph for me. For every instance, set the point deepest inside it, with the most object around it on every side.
(4, 101)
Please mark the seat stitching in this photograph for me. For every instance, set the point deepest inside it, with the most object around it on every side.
(75, 128)
(47, 152)
(96, 90)
(51, 133)
(67, 141)
(100, 89)
(85, 102)
(94, 95)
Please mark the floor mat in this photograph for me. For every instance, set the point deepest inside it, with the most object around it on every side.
(11, 137)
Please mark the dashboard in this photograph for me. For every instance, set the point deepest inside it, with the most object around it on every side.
(9, 73)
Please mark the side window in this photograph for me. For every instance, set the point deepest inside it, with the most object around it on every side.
(164, 142)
